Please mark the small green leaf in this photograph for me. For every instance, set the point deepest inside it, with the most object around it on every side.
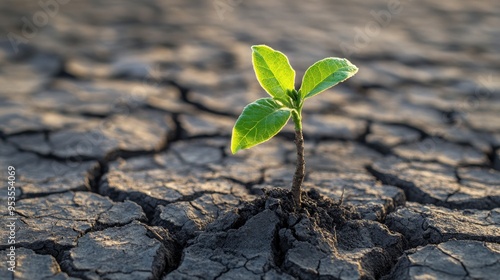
(326, 73)
(273, 71)
(259, 122)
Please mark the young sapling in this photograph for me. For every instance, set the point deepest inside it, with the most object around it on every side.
(265, 117)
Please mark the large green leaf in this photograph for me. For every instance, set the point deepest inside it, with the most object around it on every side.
(273, 71)
(326, 73)
(259, 122)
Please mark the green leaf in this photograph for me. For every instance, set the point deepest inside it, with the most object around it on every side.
(326, 73)
(259, 122)
(273, 71)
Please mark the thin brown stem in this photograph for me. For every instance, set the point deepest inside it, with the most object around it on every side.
(298, 177)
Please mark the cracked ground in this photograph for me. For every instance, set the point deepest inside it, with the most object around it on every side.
(117, 116)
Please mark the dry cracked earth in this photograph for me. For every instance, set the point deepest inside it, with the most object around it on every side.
(117, 118)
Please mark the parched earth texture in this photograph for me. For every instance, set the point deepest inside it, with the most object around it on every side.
(117, 117)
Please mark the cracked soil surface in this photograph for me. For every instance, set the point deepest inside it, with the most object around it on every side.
(117, 118)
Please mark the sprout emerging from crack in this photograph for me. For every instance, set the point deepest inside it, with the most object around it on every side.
(265, 117)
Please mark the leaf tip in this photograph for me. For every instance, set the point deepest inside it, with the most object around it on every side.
(234, 149)
(256, 47)
(235, 144)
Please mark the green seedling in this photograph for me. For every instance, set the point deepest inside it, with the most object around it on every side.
(264, 118)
